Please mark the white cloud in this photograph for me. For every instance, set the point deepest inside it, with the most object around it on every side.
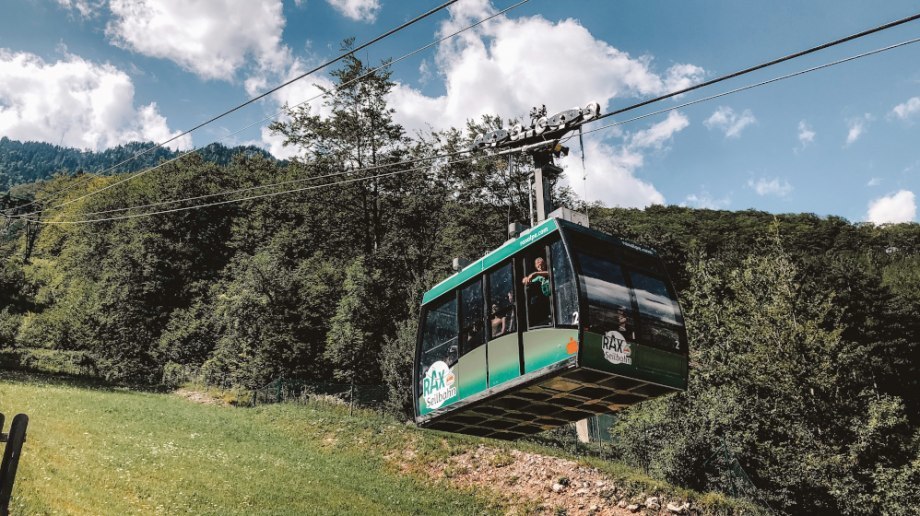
(424, 72)
(875, 181)
(682, 76)
(908, 109)
(774, 186)
(856, 130)
(74, 102)
(507, 66)
(293, 95)
(611, 169)
(857, 127)
(806, 134)
(899, 207)
(359, 10)
(732, 124)
(705, 200)
(211, 39)
(86, 8)
(658, 134)
(611, 178)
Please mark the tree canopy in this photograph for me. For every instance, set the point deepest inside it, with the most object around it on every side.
(804, 330)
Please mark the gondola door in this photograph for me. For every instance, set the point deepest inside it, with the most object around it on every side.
(472, 364)
(503, 349)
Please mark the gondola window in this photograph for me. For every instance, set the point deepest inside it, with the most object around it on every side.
(440, 339)
(609, 303)
(472, 330)
(538, 290)
(658, 311)
(566, 288)
(501, 302)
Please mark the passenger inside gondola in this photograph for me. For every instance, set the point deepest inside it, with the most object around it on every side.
(473, 337)
(624, 325)
(510, 325)
(497, 322)
(538, 291)
(501, 302)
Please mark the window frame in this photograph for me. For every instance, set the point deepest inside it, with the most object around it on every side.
(629, 260)
(461, 309)
(420, 347)
(575, 279)
(526, 254)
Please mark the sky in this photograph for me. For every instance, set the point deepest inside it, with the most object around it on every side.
(841, 141)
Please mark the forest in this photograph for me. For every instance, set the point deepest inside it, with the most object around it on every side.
(28, 162)
(804, 330)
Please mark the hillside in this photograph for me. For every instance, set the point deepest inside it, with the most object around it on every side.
(28, 162)
(804, 331)
(98, 450)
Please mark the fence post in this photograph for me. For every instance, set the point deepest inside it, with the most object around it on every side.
(279, 391)
(10, 462)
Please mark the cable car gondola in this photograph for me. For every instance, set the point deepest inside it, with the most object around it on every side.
(558, 324)
(599, 331)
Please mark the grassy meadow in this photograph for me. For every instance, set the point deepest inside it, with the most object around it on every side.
(110, 451)
(102, 450)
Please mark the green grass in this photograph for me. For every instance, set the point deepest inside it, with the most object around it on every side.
(107, 451)
(103, 450)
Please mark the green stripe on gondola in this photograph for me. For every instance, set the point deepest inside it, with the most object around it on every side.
(544, 347)
(647, 363)
(471, 372)
(504, 363)
(476, 268)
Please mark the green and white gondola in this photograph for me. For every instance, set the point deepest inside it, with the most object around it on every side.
(509, 346)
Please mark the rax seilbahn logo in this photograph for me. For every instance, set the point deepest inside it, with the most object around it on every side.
(616, 349)
(439, 385)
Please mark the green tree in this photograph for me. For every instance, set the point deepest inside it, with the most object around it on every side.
(398, 353)
(270, 318)
(355, 331)
(358, 133)
(774, 381)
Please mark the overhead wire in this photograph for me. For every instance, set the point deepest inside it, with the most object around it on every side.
(273, 185)
(761, 66)
(455, 153)
(264, 94)
(748, 87)
(259, 196)
(612, 113)
(285, 110)
(635, 106)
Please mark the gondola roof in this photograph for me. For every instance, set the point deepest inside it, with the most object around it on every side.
(511, 247)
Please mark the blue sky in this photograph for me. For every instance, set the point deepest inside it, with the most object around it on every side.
(842, 141)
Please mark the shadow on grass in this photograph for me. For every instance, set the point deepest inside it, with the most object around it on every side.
(77, 381)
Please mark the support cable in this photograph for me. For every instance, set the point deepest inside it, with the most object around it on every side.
(273, 185)
(747, 87)
(455, 153)
(289, 82)
(764, 65)
(606, 115)
(283, 111)
(258, 196)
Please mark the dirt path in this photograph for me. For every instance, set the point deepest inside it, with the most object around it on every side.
(531, 483)
(527, 483)
(200, 397)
